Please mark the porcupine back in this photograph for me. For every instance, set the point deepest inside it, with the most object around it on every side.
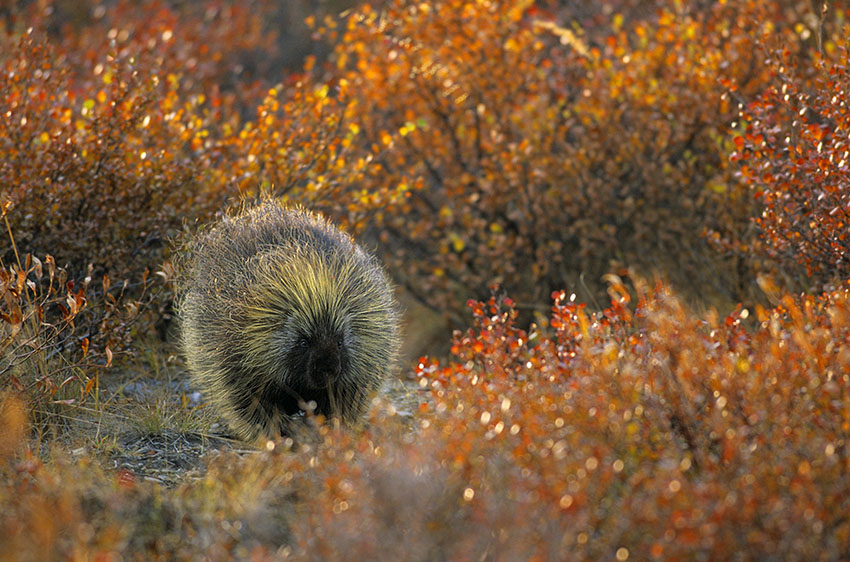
(274, 296)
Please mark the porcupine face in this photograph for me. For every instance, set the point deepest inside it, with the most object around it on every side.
(320, 356)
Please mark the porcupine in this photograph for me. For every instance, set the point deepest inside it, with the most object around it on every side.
(279, 309)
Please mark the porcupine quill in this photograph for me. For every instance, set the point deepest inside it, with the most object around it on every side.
(280, 309)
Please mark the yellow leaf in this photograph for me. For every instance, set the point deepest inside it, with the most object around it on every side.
(457, 243)
(511, 45)
(617, 22)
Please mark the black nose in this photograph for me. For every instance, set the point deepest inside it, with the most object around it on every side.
(327, 362)
(325, 366)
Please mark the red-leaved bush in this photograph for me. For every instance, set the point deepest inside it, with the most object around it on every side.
(645, 434)
(793, 150)
(629, 434)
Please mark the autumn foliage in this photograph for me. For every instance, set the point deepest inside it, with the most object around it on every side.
(542, 154)
(106, 137)
(511, 158)
(552, 152)
(632, 433)
(793, 151)
(641, 434)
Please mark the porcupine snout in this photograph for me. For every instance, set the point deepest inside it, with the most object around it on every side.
(325, 363)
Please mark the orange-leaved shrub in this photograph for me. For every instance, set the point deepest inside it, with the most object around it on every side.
(300, 146)
(635, 433)
(125, 121)
(109, 129)
(519, 148)
(640, 434)
(793, 151)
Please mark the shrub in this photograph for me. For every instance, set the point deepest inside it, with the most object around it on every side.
(55, 337)
(300, 147)
(633, 433)
(793, 152)
(109, 130)
(645, 434)
(516, 148)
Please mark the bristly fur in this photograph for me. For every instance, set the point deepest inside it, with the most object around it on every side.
(279, 309)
